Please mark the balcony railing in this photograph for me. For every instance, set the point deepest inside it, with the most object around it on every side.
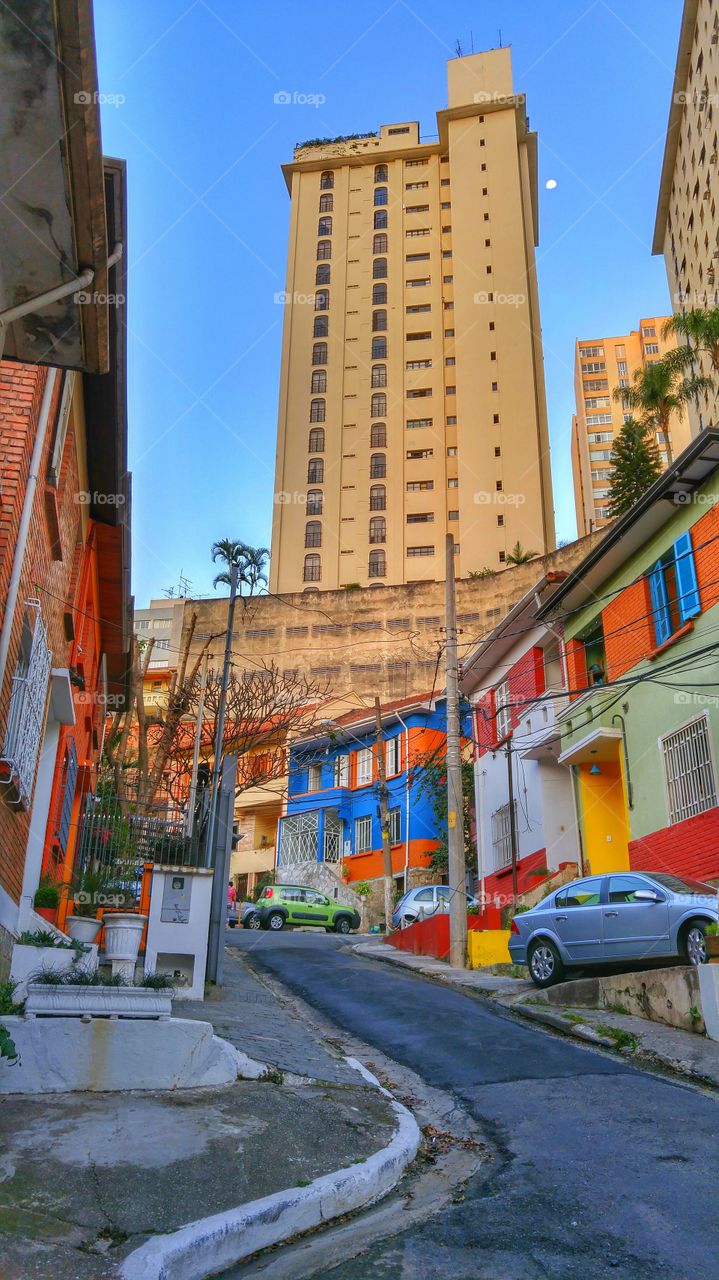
(108, 836)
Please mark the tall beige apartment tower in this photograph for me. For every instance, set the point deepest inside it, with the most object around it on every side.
(687, 225)
(600, 365)
(412, 397)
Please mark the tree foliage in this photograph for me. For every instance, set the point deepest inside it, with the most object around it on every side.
(660, 389)
(635, 465)
(429, 773)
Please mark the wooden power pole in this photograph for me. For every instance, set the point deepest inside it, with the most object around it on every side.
(455, 807)
(384, 819)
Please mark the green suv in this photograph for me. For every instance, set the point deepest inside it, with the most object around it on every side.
(281, 904)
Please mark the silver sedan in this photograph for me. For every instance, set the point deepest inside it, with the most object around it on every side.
(614, 919)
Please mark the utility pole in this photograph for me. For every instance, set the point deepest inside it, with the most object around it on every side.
(384, 820)
(512, 820)
(455, 808)
(220, 730)
(190, 815)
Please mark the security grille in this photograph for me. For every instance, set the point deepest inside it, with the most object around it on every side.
(502, 836)
(299, 838)
(363, 834)
(334, 829)
(26, 716)
(689, 771)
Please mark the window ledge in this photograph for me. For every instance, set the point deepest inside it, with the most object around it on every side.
(667, 644)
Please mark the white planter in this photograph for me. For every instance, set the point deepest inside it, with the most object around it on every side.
(123, 934)
(96, 1002)
(83, 928)
(27, 960)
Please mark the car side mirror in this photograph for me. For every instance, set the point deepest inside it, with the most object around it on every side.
(646, 895)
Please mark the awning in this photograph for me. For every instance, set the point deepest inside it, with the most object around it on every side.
(602, 744)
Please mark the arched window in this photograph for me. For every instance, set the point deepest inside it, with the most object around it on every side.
(319, 353)
(322, 300)
(379, 321)
(322, 327)
(317, 411)
(313, 534)
(319, 381)
(314, 502)
(380, 173)
(322, 274)
(380, 197)
(377, 498)
(315, 471)
(324, 227)
(379, 244)
(313, 568)
(327, 180)
(379, 348)
(378, 467)
(378, 436)
(379, 375)
(317, 440)
(324, 249)
(379, 294)
(378, 529)
(380, 219)
(378, 406)
(377, 564)
(379, 269)
(326, 203)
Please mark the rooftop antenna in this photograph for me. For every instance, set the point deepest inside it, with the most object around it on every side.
(500, 38)
(458, 49)
(471, 37)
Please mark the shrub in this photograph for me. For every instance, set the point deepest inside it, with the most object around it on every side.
(158, 981)
(47, 895)
(7, 998)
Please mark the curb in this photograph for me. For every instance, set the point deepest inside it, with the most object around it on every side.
(579, 1030)
(213, 1244)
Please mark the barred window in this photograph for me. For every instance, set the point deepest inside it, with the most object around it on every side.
(363, 833)
(689, 769)
(378, 498)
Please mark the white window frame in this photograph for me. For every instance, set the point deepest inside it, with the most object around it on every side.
(502, 836)
(364, 766)
(363, 834)
(693, 742)
(28, 705)
(503, 712)
(63, 419)
(314, 777)
(342, 771)
(395, 825)
(393, 755)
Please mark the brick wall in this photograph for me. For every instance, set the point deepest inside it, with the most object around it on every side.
(44, 576)
(628, 629)
(576, 667)
(689, 848)
(706, 558)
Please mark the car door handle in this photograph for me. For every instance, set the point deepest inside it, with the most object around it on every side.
(560, 917)
(610, 913)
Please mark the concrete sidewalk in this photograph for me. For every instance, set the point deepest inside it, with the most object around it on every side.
(686, 1053)
(85, 1178)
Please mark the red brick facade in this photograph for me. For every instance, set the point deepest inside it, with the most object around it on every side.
(689, 848)
(525, 681)
(628, 630)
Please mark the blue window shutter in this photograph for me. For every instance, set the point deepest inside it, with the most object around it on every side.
(687, 588)
(660, 604)
(63, 834)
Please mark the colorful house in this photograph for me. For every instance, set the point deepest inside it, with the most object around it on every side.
(640, 729)
(515, 683)
(333, 808)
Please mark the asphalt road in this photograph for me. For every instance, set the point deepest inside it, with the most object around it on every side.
(600, 1169)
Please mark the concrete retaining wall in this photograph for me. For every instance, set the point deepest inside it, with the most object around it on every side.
(64, 1055)
(661, 995)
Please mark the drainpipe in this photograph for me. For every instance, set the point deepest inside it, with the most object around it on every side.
(630, 788)
(479, 824)
(54, 295)
(407, 804)
(25, 518)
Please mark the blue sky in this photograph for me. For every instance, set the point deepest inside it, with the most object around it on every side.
(208, 211)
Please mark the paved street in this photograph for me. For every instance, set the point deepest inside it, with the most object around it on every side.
(600, 1169)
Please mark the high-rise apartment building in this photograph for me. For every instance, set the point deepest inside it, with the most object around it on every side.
(687, 225)
(412, 398)
(601, 365)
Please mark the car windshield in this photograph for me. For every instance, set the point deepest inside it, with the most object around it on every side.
(680, 884)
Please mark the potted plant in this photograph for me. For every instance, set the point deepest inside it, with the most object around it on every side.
(92, 887)
(345, 873)
(46, 901)
(711, 941)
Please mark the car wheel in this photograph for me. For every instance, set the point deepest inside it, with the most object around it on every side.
(275, 921)
(254, 922)
(545, 964)
(694, 944)
(232, 924)
(342, 925)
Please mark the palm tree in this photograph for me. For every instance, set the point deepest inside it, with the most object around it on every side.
(250, 563)
(518, 555)
(700, 331)
(660, 389)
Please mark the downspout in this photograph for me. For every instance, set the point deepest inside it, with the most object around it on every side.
(25, 518)
(407, 804)
(479, 825)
